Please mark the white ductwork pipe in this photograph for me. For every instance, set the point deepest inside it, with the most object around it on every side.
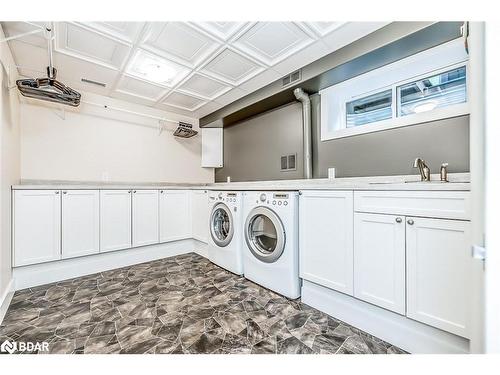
(302, 96)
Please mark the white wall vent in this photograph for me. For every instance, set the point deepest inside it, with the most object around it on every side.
(288, 163)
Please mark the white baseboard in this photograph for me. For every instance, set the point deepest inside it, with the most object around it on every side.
(44, 273)
(5, 299)
(407, 334)
(201, 248)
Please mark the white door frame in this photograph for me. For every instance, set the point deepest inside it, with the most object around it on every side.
(492, 184)
(477, 170)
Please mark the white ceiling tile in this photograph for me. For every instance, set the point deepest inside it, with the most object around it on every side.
(33, 59)
(302, 58)
(135, 87)
(272, 42)
(172, 109)
(207, 109)
(17, 28)
(133, 98)
(80, 42)
(222, 30)
(232, 67)
(183, 101)
(323, 28)
(179, 41)
(70, 69)
(204, 87)
(230, 96)
(127, 31)
(144, 62)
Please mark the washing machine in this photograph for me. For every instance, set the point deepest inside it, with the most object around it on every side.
(225, 227)
(270, 253)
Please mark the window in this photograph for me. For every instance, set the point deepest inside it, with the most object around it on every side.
(428, 86)
(372, 108)
(433, 92)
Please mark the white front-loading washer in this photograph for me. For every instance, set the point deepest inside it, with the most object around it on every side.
(225, 227)
(270, 253)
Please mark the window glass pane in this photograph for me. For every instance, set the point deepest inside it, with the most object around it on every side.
(371, 108)
(440, 90)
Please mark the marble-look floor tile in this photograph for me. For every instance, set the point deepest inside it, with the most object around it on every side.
(178, 305)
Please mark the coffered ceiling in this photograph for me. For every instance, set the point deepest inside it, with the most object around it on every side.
(191, 68)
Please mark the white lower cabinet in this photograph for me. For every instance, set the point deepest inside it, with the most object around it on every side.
(115, 220)
(174, 215)
(80, 223)
(326, 238)
(439, 271)
(36, 226)
(199, 215)
(379, 260)
(145, 217)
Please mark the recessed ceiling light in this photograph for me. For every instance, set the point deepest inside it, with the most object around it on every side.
(155, 69)
(425, 106)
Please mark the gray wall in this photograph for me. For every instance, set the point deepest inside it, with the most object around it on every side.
(252, 148)
(391, 152)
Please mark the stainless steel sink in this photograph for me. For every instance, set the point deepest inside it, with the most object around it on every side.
(435, 182)
(416, 182)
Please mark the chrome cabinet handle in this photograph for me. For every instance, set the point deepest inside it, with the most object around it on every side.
(410, 222)
(399, 220)
(135, 191)
(57, 192)
(161, 191)
(129, 191)
(65, 192)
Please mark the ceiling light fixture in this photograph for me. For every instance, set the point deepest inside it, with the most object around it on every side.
(153, 68)
(425, 106)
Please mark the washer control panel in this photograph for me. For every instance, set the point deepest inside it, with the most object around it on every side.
(274, 199)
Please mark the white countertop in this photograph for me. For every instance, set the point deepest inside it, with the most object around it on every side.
(458, 182)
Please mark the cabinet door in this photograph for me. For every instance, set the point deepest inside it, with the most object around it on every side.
(379, 260)
(212, 147)
(36, 226)
(145, 217)
(439, 268)
(199, 215)
(174, 215)
(326, 238)
(116, 220)
(80, 223)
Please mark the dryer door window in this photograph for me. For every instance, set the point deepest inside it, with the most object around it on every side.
(221, 225)
(265, 235)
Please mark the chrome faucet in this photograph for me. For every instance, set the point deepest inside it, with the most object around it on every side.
(425, 171)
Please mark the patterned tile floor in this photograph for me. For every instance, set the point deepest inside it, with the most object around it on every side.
(183, 304)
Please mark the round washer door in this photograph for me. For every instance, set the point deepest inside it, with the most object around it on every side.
(221, 225)
(265, 234)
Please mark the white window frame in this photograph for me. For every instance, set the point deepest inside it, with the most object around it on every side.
(433, 61)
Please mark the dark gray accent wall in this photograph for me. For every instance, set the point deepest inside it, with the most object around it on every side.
(252, 148)
(391, 152)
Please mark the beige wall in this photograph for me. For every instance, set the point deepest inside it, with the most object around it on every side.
(88, 145)
(9, 161)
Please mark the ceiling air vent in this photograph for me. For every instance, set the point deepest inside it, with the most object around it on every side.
(291, 78)
(85, 80)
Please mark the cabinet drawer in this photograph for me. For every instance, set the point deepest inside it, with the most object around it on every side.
(438, 204)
